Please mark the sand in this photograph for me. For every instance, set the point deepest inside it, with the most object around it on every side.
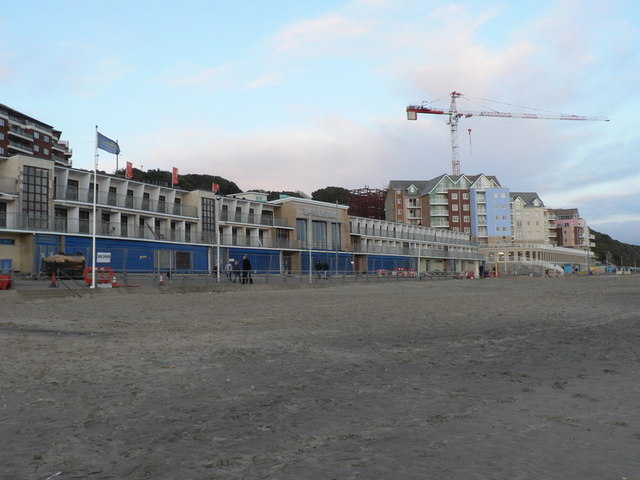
(528, 378)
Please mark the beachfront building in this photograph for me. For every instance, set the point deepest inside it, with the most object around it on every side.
(529, 218)
(377, 243)
(21, 134)
(48, 207)
(473, 204)
(536, 230)
(572, 230)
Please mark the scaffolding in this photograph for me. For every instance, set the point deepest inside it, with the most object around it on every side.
(367, 202)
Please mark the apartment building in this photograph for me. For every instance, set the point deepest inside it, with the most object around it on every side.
(571, 230)
(21, 134)
(473, 204)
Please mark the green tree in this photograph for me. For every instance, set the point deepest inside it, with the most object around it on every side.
(332, 195)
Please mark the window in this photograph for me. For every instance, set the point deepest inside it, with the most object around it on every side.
(106, 223)
(465, 196)
(455, 218)
(72, 189)
(1, 136)
(128, 201)
(454, 207)
(83, 216)
(208, 214)
(466, 219)
(301, 230)
(145, 201)
(46, 151)
(124, 225)
(35, 198)
(36, 135)
(454, 196)
(3, 214)
(111, 198)
(319, 232)
(60, 219)
(36, 148)
(46, 138)
(465, 207)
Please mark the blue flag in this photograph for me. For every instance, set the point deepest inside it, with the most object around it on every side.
(107, 144)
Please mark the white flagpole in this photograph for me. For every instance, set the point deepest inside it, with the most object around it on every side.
(95, 198)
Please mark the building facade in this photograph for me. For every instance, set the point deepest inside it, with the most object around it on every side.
(24, 135)
(462, 203)
(571, 230)
(47, 207)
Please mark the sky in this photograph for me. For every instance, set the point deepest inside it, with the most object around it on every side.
(301, 95)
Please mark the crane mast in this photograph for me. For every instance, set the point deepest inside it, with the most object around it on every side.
(454, 115)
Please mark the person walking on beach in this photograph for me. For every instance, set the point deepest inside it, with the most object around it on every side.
(246, 270)
(236, 271)
(229, 269)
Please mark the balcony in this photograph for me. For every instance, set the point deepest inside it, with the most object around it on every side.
(439, 211)
(20, 133)
(85, 195)
(20, 147)
(253, 219)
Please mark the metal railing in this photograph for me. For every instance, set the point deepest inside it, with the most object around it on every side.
(253, 219)
(85, 195)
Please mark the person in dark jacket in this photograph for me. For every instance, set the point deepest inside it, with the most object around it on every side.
(236, 271)
(246, 270)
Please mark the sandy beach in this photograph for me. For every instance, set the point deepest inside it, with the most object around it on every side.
(521, 378)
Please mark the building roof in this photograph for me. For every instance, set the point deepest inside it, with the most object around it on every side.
(426, 186)
(527, 197)
(566, 213)
(34, 120)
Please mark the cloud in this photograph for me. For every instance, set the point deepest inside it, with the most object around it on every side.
(267, 80)
(319, 35)
(332, 151)
(210, 77)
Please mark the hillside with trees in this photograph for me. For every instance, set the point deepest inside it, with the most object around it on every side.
(188, 181)
(612, 251)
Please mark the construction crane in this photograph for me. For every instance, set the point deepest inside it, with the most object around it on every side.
(454, 115)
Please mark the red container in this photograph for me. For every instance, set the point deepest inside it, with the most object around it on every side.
(5, 282)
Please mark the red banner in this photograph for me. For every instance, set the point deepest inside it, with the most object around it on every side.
(129, 174)
(215, 187)
(174, 176)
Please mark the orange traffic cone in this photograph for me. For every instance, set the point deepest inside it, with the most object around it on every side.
(161, 280)
(113, 281)
(54, 280)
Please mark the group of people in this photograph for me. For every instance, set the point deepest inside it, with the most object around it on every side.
(239, 272)
(322, 269)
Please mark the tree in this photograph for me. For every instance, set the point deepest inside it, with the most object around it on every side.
(332, 195)
(189, 181)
